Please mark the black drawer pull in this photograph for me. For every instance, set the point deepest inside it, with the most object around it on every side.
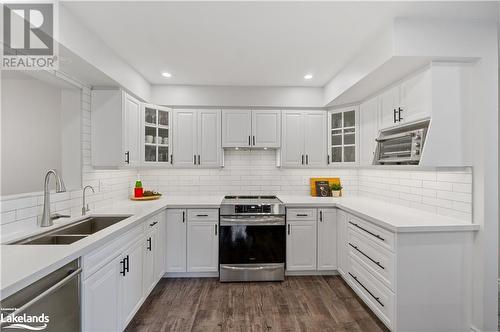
(202, 215)
(122, 262)
(362, 253)
(372, 234)
(301, 215)
(149, 244)
(366, 289)
(152, 224)
(127, 264)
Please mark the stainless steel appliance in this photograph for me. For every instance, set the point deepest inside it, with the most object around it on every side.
(53, 302)
(401, 145)
(252, 239)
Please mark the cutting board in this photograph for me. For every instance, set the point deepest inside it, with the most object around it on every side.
(145, 198)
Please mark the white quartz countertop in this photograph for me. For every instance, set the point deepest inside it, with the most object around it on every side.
(23, 264)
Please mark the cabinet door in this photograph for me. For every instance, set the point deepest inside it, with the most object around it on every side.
(185, 139)
(315, 138)
(327, 239)
(342, 242)
(301, 245)
(101, 299)
(236, 128)
(203, 246)
(368, 113)
(416, 97)
(209, 138)
(148, 275)
(292, 151)
(176, 241)
(131, 139)
(160, 246)
(389, 102)
(266, 125)
(132, 282)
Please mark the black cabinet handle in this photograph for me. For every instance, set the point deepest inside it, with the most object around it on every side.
(321, 216)
(301, 215)
(253, 140)
(127, 264)
(127, 157)
(302, 159)
(149, 243)
(215, 229)
(249, 140)
(194, 159)
(152, 224)
(183, 216)
(399, 114)
(122, 262)
(362, 253)
(307, 159)
(288, 229)
(364, 229)
(198, 159)
(328, 159)
(202, 215)
(394, 115)
(171, 158)
(366, 289)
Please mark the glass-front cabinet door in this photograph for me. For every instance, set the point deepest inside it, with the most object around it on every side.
(157, 135)
(343, 134)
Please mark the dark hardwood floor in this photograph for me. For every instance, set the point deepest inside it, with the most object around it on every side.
(319, 303)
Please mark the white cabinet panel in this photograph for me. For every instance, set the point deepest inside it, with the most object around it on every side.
(132, 282)
(292, 151)
(101, 299)
(416, 97)
(160, 246)
(209, 137)
(203, 246)
(342, 242)
(185, 139)
(315, 138)
(389, 103)
(176, 240)
(131, 132)
(368, 113)
(236, 128)
(148, 275)
(327, 239)
(266, 125)
(301, 245)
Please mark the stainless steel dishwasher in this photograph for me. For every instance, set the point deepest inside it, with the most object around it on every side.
(50, 304)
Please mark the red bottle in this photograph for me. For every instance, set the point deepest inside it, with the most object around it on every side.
(138, 192)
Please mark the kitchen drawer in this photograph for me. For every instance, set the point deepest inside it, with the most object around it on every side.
(301, 214)
(203, 215)
(100, 257)
(373, 232)
(152, 222)
(379, 298)
(376, 259)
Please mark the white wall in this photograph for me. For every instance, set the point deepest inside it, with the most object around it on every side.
(224, 96)
(31, 129)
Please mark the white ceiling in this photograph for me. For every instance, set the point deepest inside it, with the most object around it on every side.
(250, 43)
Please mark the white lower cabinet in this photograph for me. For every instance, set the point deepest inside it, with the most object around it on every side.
(342, 250)
(176, 240)
(131, 284)
(301, 245)
(192, 240)
(327, 239)
(203, 246)
(153, 253)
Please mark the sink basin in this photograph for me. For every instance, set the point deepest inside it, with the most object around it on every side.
(74, 232)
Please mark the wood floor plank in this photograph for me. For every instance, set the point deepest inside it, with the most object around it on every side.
(312, 303)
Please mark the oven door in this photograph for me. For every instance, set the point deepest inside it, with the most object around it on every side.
(252, 248)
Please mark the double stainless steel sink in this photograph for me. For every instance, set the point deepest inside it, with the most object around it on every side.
(73, 232)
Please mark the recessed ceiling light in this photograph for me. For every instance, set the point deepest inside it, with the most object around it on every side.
(308, 76)
(165, 74)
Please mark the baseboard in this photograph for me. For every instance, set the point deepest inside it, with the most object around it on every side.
(311, 273)
(191, 275)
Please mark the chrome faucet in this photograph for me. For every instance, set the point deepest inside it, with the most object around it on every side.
(47, 218)
(85, 207)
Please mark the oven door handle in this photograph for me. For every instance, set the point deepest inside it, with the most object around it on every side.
(251, 268)
(253, 222)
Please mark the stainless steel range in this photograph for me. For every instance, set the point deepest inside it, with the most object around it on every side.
(252, 240)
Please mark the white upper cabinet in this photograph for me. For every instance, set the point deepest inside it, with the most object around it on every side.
(266, 126)
(304, 139)
(408, 101)
(197, 139)
(156, 135)
(368, 119)
(115, 117)
(251, 128)
(343, 131)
